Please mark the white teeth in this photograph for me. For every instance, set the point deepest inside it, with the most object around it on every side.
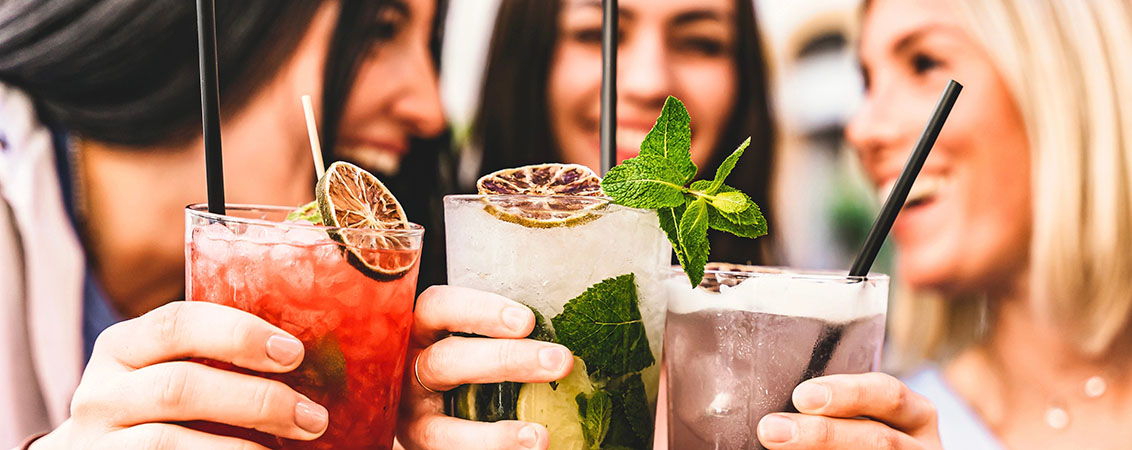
(373, 159)
(925, 187)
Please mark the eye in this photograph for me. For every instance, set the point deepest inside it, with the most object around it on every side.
(588, 35)
(922, 63)
(703, 46)
(388, 22)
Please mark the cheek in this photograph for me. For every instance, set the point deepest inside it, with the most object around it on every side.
(573, 90)
(709, 91)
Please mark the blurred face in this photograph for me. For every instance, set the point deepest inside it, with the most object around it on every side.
(683, 48)
(966, 226)
(395, 97)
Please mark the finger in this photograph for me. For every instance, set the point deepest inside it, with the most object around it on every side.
(184, 391)
(182, 330)
(437, 431)
(876, 395)
(458, 360)
(171, 437)
(806, 432)
(444, 309)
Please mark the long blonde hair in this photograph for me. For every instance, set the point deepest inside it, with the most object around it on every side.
(1068, 66)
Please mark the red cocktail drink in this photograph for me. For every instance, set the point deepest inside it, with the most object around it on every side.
(353, 320)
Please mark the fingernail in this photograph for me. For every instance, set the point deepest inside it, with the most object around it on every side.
(776, 429)
(811, 396)
(516, 318)
(311, 416)
(284, 350)
(552, 358)
(528, 436)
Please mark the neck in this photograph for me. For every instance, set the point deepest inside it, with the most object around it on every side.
(1028, 365)
(135, 220)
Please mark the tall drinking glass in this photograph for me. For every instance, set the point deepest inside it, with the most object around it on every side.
(353, 321)
(547, 252)
(739, 344)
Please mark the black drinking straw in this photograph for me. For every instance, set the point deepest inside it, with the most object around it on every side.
(608, 85)
(210, 104)
(903, 184)
(831, 335)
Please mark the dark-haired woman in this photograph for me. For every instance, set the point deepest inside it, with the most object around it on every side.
(99, 153)
(542, 84)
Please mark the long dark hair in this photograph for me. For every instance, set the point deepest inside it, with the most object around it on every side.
(125, 72)
(512, 125)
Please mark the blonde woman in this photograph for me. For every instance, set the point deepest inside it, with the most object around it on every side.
(1021, 226)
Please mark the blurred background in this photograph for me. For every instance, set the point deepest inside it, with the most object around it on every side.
(821, 203)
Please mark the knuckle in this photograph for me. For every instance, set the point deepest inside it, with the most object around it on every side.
(429, 296)
(168, 321)
(84, 402)
(272, 397)
(158, 438)
(245, 333)
(173, 387)
(885, 441)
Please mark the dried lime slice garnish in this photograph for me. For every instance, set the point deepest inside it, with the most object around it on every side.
(543, 195)
(354, 202)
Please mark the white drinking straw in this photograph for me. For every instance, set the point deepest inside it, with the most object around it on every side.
(312, 131)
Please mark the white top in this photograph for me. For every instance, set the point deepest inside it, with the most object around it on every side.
(959, 427)
(41, 279)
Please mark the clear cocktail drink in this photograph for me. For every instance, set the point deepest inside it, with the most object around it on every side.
(739, 344)
(353, 322)
(547, 252)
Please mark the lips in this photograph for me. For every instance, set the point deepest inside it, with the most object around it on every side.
(925, 188)
(379, 159)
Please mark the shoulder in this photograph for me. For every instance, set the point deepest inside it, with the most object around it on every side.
(959, 426)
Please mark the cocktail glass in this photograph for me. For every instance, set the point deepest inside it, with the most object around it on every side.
(353, 322)
(521, 247)
(738, 345)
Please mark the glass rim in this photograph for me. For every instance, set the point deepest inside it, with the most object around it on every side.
(752, 271)
(201, 210)
(590, 198)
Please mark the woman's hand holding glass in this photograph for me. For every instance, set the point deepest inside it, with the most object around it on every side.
(139, 383)
(438, 361)
(872, 410)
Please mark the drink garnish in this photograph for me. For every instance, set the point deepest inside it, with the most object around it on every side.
(658, 178)
(603, 326)
(556, 407)
(632, 423)
(548, 194)
(350, 198)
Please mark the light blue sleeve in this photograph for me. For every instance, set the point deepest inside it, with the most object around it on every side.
(959, 427)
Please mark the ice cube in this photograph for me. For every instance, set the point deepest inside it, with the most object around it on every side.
(715, 406)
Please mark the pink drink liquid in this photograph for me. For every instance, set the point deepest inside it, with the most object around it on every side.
(727, 369)
(355, 328)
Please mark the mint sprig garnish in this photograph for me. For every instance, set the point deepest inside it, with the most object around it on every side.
(660, 178)
(603, 327)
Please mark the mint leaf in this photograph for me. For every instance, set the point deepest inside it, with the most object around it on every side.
(308, 212)
(647, 181)
(717, 221)
(595, 411)
(669, 222)
(726, 166)
(631, 425)
(749, 216)
(730, 202)
(671, 139)
(603, 327)
(693, 237)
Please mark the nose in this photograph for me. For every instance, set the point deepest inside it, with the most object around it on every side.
(419, 105)
(644, 75)
(874, 128)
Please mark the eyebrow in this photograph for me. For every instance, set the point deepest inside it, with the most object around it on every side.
(910, 39)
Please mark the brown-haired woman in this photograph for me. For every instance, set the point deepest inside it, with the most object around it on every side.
(540, 99)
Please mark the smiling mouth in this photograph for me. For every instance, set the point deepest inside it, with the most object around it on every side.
(923, 191)
(374, 159)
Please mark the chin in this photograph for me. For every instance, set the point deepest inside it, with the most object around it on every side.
(927, 273)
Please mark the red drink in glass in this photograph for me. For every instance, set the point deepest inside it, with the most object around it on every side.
(354, 323)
